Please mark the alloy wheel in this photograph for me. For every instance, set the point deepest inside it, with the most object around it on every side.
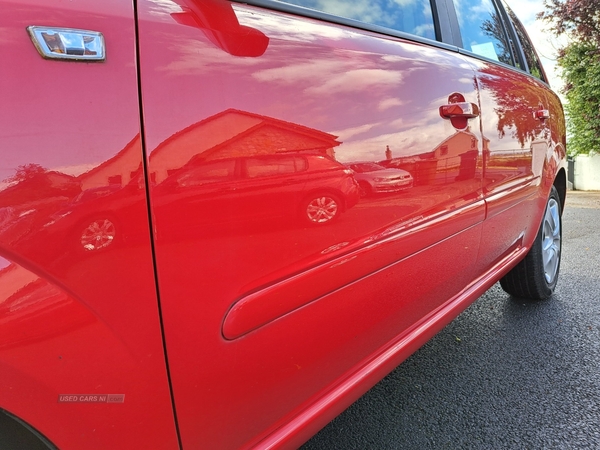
(551, 240)
(98, 234)
(322, 209)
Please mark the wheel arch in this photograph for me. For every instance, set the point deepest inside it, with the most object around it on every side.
(560, 183)
(15, 434)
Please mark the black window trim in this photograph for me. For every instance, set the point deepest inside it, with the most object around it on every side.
(502, 15)
(518, 46)
(449, 29)
(454, 24)
(522, 50)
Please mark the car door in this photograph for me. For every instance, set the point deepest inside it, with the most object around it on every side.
(205, 184)
(271, 189)
(516, 137)
(264, 325)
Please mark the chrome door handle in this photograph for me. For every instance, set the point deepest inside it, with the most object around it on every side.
(463, 109)
(542, 114)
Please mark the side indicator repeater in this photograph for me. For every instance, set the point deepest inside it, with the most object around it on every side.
(68, 44)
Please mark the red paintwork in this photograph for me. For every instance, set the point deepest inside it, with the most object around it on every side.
(262, 318)
(73, 321)
(516, 146)
(272, 324)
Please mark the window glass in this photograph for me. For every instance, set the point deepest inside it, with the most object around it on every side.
(515, 52)
(410, 16)
(208, 172)
(535, 67)
(366, 167)
(257, 167)
(482, 30)
(301, 164)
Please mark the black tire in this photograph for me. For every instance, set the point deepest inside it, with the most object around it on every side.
(321, 208)
(535, 277)
(17, 435)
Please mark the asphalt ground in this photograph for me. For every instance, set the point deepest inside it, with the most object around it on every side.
(505, 374)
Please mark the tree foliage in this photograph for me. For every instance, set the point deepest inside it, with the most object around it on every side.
(580, 63)
(513, 99)
(578, 18)
(26, 172)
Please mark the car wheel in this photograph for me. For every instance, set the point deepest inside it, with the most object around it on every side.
(536, 275)
(321, 209)
(97, 234)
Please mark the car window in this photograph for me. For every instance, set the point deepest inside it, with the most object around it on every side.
(535, 67)
(208, 172)
(409, 16)
(301, 163)
(366, 167)
(482, 30)
(266, 167)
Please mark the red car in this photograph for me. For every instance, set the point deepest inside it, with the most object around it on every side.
(311, 188)
(171, 275)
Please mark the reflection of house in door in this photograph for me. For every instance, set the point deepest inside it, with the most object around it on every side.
(454, 159)
(234, 134)
(116, 171)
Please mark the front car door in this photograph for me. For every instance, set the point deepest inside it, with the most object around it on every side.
(263, 325)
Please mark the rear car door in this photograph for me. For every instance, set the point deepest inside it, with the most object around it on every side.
(516, 138)
(261, 322)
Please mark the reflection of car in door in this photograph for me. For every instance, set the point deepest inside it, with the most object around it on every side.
(98, 231)
(96, 219)
(241, 191)
(374, 178)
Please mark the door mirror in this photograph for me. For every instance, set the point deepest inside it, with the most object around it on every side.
(217, 20)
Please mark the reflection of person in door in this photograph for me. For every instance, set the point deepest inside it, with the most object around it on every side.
(388, 153)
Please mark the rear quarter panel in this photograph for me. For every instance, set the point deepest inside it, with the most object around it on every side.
(74, 322)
